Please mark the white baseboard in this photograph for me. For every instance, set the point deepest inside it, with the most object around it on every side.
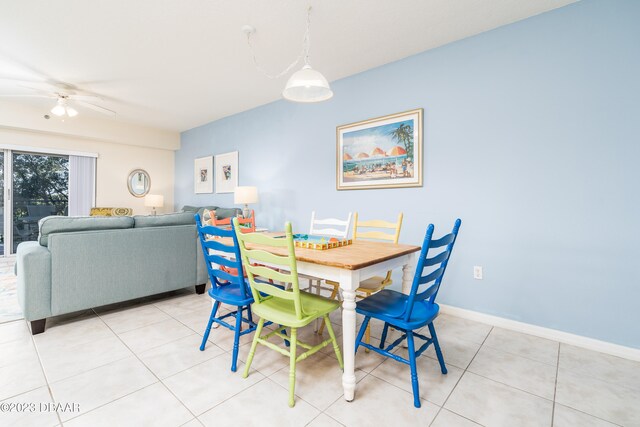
(542, 332)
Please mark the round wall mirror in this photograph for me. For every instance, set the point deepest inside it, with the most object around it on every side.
(139, 183)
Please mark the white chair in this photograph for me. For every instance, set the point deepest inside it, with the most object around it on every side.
(332, 227)
(324, 227)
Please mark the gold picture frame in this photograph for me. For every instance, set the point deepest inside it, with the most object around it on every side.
(383, 152)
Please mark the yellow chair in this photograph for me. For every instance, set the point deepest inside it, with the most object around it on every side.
(363, 230)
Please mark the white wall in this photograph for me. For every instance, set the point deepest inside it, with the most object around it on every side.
(121, 147)
(87, 126)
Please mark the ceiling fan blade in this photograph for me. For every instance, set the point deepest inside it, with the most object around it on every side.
(23, 95)
(20, 81)
(85, 98)
(95, 107)
(43, 91)
(30, 84)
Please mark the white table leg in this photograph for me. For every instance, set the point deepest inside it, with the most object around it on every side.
(407, 280)
(348, 281)
(408, 271)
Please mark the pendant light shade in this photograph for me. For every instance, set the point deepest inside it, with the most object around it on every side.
(307, 85)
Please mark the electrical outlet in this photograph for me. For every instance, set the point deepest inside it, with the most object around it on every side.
(477, 272)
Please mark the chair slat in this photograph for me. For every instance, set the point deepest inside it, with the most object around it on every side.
(427, 292)
(223, 275)
(443, 241)
(216, 231)
(269, 273)
(268, 257)
(379, 235)
(272, 290)
(330, 221)
(328, 232)
(377, 223)
(436, 259)
(261, 239)
(216, 245)
(220, 260)
(431, 276)
(223, 221)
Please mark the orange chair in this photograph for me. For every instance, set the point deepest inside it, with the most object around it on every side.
(248, 225)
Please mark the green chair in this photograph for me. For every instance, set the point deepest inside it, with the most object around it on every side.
(290, 308)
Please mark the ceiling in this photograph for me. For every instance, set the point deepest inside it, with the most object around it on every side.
(175, 64)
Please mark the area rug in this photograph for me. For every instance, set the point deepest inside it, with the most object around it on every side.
(9, 307)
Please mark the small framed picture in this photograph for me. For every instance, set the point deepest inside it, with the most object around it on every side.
(226, 172)
(203, 175)
(385, 152)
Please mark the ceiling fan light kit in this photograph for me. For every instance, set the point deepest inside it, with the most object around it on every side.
(306, 85)
(61, 109)
(64, 94)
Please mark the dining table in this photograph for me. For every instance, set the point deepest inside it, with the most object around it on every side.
(349, 265)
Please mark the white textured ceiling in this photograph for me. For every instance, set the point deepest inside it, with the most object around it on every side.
(177, 64)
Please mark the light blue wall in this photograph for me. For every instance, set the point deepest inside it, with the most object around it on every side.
(531, 137)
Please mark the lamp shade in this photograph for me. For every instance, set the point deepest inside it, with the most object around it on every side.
(154, 200)
(307, 85)
(245, 195)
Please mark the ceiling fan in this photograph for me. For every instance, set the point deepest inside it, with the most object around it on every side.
(65, 95)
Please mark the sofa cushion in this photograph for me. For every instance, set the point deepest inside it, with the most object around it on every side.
(65, 224)
(222, 213)
(189, 208)
(180, 218)
(194, 209)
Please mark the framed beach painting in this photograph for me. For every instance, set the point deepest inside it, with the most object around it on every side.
(226, 172)
(385, 152)
(203, 175)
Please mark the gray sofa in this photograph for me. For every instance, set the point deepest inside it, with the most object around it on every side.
(84, 262)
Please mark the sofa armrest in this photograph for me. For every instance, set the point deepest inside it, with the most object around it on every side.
(33, 268)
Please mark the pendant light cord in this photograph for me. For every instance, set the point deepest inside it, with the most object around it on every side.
(304, 54)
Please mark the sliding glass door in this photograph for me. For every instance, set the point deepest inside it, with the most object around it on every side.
(34, 186)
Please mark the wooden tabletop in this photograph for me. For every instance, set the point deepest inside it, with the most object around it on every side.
(359, 254)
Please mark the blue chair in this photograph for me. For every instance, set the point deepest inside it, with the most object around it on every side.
(226, 287)
(407, 313)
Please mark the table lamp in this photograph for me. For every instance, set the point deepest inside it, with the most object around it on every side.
(154, 201)
(245, 195)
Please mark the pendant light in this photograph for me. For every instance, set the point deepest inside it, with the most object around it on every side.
(306, 85)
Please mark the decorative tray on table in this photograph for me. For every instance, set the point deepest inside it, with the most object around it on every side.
(310, 241)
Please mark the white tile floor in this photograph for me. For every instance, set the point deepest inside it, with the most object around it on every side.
(139, 364)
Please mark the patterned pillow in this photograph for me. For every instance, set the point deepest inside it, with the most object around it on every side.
(111, 212)
(207, 215)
